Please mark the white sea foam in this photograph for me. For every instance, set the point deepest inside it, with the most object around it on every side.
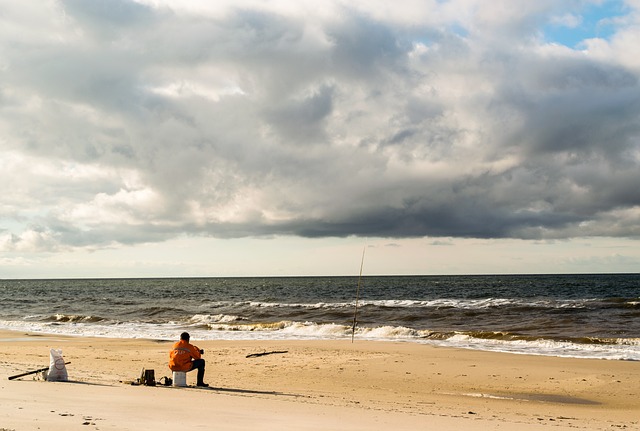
(390, 332)
(620, 349)
(625, 350)
(313, 330)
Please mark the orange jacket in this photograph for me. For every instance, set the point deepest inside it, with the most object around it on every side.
(181, 356)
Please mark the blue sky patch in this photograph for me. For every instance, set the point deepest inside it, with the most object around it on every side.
(594, 21)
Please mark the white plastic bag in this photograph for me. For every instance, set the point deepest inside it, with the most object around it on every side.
(57, 369)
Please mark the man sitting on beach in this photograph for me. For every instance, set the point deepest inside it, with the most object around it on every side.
(187, 357)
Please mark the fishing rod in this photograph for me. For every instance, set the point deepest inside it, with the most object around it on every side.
(28, 373)
(355, 313)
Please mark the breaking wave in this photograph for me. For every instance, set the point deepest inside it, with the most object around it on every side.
(225, 327)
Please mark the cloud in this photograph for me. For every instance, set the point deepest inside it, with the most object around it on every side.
(134, 121)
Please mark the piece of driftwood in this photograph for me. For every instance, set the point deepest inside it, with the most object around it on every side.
(255, 355)
(28, 373)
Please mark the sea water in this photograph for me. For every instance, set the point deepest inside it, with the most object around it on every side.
(589, 316)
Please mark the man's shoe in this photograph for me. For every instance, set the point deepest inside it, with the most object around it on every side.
(202, 385)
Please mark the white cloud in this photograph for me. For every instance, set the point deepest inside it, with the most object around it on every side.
(567, 20)
(28, 241)
(133, 122)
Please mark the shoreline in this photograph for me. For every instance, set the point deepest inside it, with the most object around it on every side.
(618, 349)
(382, 385)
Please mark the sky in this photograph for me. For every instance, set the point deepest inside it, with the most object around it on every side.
(171, 138)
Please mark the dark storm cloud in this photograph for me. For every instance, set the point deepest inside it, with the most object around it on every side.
(131, 123)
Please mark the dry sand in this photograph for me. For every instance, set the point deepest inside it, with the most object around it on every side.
(315, 385)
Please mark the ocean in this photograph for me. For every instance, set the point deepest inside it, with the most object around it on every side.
(586, 316)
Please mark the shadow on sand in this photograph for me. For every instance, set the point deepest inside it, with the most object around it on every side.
(237, 391)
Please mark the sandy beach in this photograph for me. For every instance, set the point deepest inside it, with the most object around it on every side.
(312, 385)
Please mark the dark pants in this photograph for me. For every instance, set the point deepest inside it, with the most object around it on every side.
(199, 365)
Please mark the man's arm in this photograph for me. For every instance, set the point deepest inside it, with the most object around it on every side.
(195, 352)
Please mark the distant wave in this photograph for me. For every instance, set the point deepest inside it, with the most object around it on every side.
(217, 318)
(73, 318)
(438, 303)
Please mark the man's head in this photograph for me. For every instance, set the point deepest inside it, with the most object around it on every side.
(184, 336)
